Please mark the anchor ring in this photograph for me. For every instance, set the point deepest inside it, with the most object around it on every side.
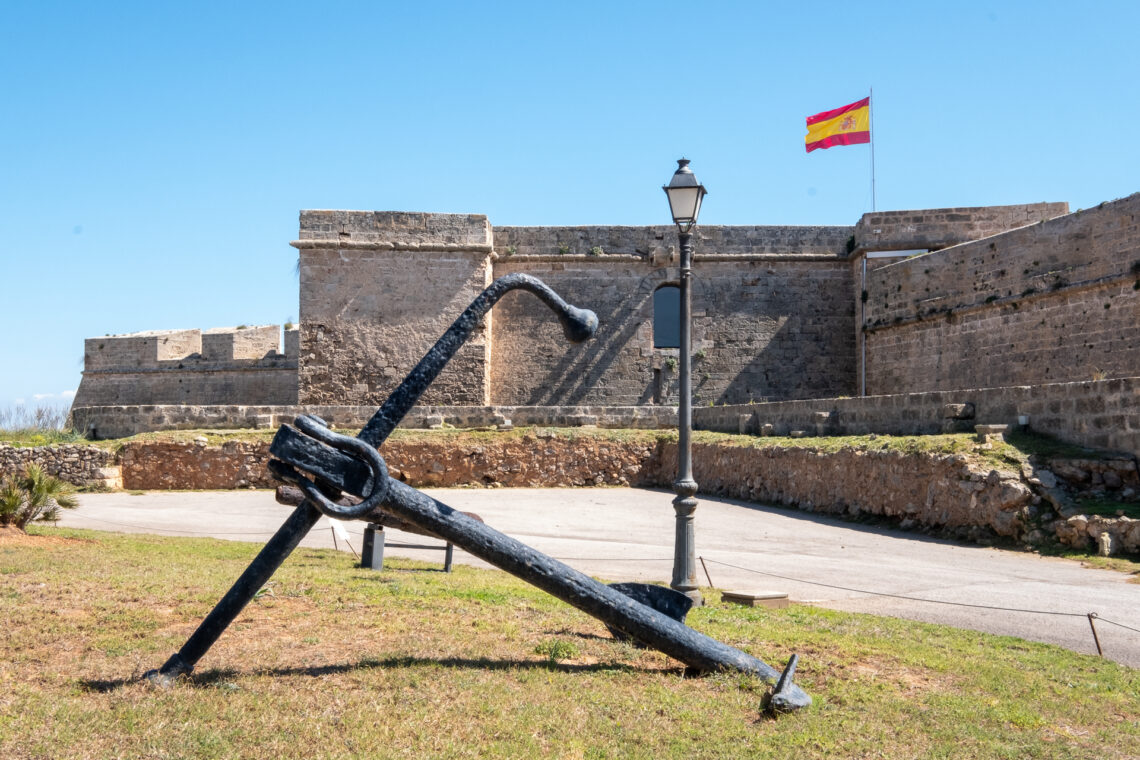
(315, 427)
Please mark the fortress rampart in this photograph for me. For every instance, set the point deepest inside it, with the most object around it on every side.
(902, 302)
(1056, 301)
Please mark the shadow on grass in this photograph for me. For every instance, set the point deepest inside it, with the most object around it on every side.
(579, 635)
(217, 676)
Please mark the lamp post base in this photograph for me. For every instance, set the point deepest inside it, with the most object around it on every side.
(684, 559)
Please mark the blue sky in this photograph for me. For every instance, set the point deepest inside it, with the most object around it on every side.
(154, 156)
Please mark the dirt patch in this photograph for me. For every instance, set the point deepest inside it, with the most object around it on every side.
(13, 536)
(908, 680)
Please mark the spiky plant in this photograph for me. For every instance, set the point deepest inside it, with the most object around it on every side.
(34, 495)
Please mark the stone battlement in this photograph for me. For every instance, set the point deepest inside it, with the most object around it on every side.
(158, 349)
(401, 229)
(649, 242)
(190, 366)
(932, 229)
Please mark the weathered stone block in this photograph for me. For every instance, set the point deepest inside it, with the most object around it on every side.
(958, 411)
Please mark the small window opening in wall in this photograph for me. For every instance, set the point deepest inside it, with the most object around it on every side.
(667, 317)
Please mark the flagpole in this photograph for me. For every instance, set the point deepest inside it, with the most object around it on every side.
(871, 113)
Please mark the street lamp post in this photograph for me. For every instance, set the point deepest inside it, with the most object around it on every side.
(685, 195)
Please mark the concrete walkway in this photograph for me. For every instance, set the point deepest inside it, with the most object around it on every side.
(627, 534)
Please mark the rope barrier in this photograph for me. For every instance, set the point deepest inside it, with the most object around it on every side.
(1090, 616)
(899, 596)
(703, 560)
(1113, 622)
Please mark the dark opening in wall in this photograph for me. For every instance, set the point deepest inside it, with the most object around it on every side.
(667, 317)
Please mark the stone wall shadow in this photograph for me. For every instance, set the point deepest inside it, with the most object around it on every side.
(782, 370)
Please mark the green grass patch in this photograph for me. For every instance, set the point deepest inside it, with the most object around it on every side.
(335, 661)
(1045, 447)
(1105, 504)
(965, 444)
(29, 437)
(1117, 563)
(1000, 456)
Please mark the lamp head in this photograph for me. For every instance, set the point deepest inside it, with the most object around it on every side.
(685, 194)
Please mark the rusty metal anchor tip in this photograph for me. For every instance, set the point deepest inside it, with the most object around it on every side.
(786, 696)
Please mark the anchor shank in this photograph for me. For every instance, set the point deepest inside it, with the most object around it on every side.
(571, 586)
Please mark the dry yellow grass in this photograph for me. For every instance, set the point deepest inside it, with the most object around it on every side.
(334, 661)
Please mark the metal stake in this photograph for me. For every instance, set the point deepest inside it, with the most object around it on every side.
(707, 576)
(1093, 616)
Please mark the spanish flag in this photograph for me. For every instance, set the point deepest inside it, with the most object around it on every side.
(848, 125)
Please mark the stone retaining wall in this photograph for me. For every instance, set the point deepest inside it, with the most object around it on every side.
(944, 493)
(80, 465)
(195, 466)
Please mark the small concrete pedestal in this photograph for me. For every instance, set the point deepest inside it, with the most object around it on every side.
(772, 599)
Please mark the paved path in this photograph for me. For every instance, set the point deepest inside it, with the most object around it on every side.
(627, 534)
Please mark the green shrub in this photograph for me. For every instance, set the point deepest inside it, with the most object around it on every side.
(32, 496)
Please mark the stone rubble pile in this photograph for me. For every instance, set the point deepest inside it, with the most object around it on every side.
(1062, 481)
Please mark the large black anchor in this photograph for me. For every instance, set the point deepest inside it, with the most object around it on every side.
(339, 464)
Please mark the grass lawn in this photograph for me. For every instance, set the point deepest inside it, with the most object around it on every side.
(334, 661)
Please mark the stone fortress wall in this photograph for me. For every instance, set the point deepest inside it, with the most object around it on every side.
(903, 302)
(1053, 302)
(775, 308)
(771, 315)
(377, 290)
(190, 367)
(771, 311)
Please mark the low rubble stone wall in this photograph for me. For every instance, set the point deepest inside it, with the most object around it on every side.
(1098, 413)
(81, 465)
(917, 489)
(106, 422)
(952, 494)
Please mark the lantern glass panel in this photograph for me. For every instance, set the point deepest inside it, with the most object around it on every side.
(685, 203)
